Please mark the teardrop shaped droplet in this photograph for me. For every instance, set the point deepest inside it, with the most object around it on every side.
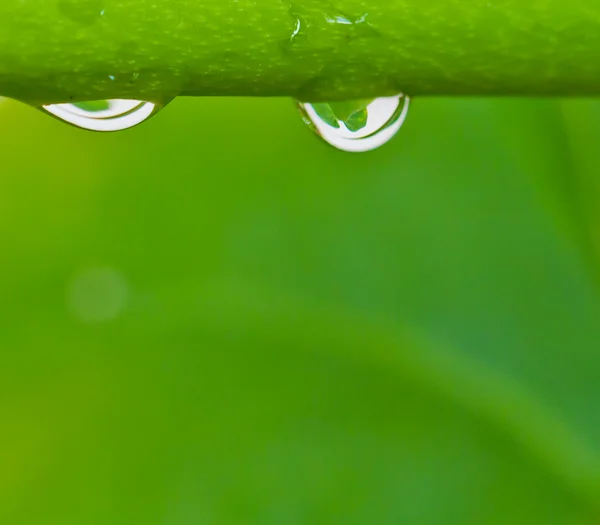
(356, 125)
(104, 115)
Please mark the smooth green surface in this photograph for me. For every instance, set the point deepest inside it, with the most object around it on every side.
(214, 318)
(77, 50)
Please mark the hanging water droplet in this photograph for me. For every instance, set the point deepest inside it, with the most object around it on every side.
(356, 125)
(104, 115)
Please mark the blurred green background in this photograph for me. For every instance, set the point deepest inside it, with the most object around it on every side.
(214, 318)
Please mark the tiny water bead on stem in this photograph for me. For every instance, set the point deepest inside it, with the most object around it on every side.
(104, 115)
(357, 125)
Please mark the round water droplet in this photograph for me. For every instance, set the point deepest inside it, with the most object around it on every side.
(104, 115)
(356, 125)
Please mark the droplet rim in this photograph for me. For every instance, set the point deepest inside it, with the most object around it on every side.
(370, 142)
(105, 120)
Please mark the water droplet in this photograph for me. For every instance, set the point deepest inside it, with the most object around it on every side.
(297, 28)
(338, 19)
(104, 115)
(356, 125)
(319, 26)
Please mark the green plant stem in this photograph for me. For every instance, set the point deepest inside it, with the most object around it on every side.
(312, 49)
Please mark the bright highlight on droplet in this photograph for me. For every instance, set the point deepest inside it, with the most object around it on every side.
(104, 115)
(356, 125)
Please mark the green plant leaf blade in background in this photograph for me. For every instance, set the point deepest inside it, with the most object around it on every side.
(288, 334)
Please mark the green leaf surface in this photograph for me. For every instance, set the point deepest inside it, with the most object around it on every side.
(216, 319)
(313, 50)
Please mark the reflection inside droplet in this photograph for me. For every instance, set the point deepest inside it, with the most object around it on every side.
(356, 125)
(104, 115)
